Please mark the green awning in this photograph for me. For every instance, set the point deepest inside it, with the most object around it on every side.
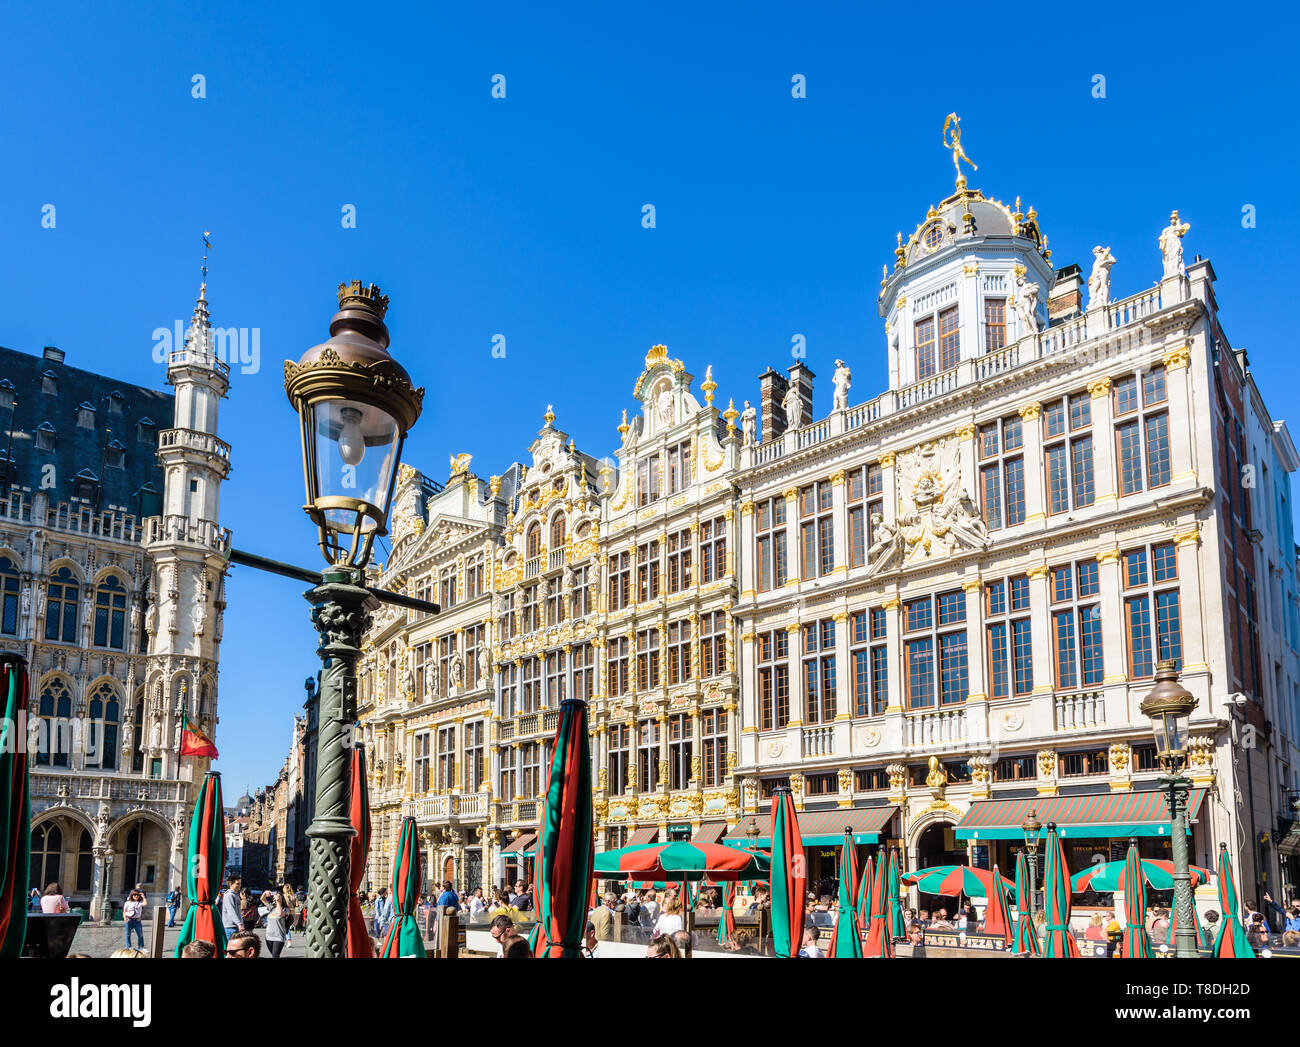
(1103, 815)
(820, 828)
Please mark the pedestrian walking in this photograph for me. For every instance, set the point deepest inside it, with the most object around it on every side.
(232, 908)
(173, 903)
(277, 924)
(133, 916)
(383, 913)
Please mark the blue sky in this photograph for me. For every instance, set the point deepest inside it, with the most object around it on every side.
(522, 216)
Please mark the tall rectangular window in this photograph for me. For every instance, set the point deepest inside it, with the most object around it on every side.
(556, 679)
(679, 560)
(1141, 403)
(713, 549)
(679, 466)
(619, 762)
(647, 571)
(949, 339)
(647, 480)
(773, 654)
(1153, 621)
(1076, 625)
(620, 580)
(1002, 472)
(647, 659)
(679, 651)
(870, 662)
(531, 770)
(1008, 641)
(819, 671)
(475, 769)
(713, 731)
(923, 338)
(446, 759)
(770, 543)
(474, 576)
(679, 751)
(995, 324)
(531, 685)
(584, 671)
(647, 756)
(816, 530)
(713, 643)
(618, 665)
(422, 764)
(1067, 449)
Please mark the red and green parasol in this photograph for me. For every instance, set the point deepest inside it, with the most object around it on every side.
(1059, 939)
(880, 942)
(1108, 877)
(789, 875)
(727, 917)
(565, 847)
(15, 807)
(954, 880)
(863, 898)
(681, 860)
(204, 867)
(896, 928)
(1135, 944)
(1231, 938)
(846, 938)
(404, 938)
(357, 946)
(997, 916)
(1026, 943)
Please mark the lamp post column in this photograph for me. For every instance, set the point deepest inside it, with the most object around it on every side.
(339, 612)
(1185, 942)
(1035, 903)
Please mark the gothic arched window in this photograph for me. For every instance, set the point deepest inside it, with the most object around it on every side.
(61, 612)
(131, 855)
(85, 863)
(105, 717)
(110, 614)
(47, 855)
(9, 590)
(56, 725)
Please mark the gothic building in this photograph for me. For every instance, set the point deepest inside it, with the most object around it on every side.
(112, 571)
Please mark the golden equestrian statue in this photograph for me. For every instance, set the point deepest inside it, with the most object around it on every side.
(958, 153)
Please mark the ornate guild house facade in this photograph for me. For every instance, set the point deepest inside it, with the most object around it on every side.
(112, 566)
(930, 614)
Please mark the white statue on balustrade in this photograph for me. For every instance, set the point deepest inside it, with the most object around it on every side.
(793, 405)
(749, 424)
(431, 680)
(1027, 305)
(1171, 246)
(455, 673)
(842, 379)
(1099, 279)
(484, 665)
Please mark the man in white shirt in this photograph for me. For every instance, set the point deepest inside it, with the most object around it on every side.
(649, 910)
(810, 950)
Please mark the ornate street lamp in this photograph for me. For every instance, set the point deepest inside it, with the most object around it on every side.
(355, 404)
(1033, 830)
(1169, 707)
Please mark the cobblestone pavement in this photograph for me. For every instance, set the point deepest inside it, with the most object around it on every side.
(96, 940)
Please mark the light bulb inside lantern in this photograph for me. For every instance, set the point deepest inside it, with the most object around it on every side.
(352, 444)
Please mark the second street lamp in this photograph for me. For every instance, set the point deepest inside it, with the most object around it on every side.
(1169, 707)
(1033, 830)
(355, 404)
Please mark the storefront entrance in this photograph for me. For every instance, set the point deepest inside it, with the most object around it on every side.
(938, 846)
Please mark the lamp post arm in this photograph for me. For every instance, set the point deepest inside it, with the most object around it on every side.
(302, 574)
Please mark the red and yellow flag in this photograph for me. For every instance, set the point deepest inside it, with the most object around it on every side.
(194, 742)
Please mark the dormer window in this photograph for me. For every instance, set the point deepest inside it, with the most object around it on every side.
(149, 501)
(85, 486)
(115, 458)
(86, 415)
(46, 438)
(50, 383)
(116, 401)
(8, 395)
(146, 431)
(933, 237)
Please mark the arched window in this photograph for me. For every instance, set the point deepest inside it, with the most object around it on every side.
(110, 614)
(56, 725)
(47, 855)
(105, 717)
(85, 863)
(61, 612)
(533, 546)
(9, 590)
(131, 855)
(557, 532)
(137, 734)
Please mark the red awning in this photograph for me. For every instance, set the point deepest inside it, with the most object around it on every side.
(519, 844)
(709, 832)
(1097, 816)
(644, 835)
(821, 827)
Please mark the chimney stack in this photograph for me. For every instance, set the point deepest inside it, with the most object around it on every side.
(802, 377)
(772, 387)
(1066, 297)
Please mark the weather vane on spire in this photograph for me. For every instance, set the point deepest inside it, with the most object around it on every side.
(207, 246)
(958, 153)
